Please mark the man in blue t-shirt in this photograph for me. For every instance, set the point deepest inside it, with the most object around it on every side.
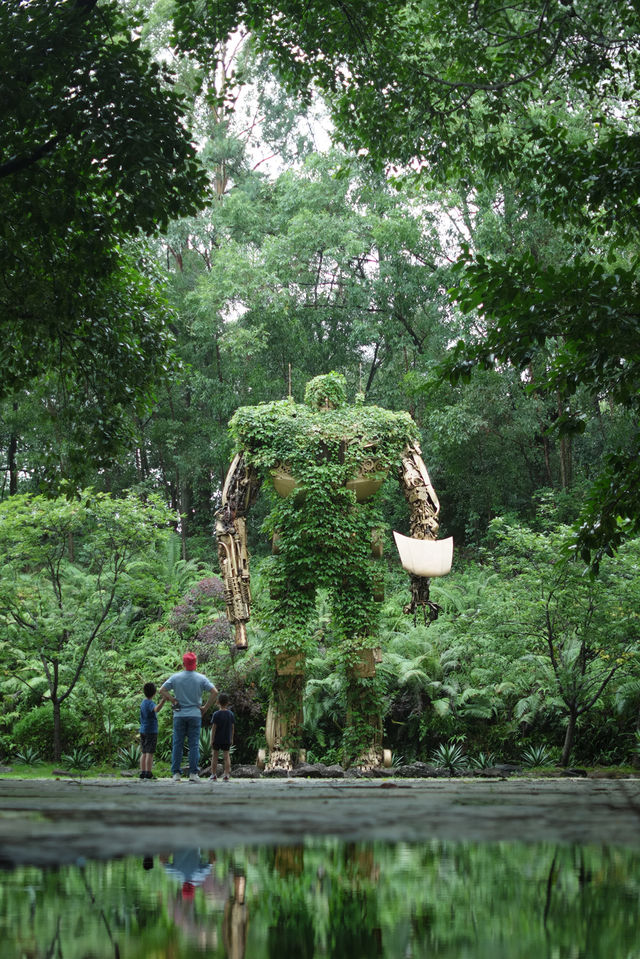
(187, 688)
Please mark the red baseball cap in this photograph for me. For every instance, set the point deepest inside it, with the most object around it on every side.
(189, 660)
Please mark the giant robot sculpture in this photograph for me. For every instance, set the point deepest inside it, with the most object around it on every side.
(324, 461)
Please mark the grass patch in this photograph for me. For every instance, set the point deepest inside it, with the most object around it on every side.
(45, 771)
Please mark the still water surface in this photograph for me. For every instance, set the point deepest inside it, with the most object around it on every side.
(327, 898)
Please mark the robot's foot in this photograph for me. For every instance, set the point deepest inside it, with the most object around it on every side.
(278, 759)
(373, 759)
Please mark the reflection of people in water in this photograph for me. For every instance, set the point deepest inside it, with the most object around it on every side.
(196, 878)
(192, 871)
(189, 867)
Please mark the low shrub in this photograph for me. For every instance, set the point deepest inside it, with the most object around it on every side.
(35, 730)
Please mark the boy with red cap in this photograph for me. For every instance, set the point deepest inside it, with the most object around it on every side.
(187, 688)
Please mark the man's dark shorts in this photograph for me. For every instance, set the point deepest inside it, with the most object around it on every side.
(148, 742)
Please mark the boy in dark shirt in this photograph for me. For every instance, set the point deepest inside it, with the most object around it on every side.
(222, 727)
(148, 729)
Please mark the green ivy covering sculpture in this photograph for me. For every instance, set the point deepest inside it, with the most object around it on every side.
(324, 461)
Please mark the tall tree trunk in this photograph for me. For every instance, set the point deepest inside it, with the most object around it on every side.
(57, 730)
(569, 736)
(13, 466)
(141, 459)
(541, 437)
(547, 461)
(186, 510)
(565, 456)
(635, 762)
(565, 461)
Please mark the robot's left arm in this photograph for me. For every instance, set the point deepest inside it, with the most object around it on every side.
(424, 508)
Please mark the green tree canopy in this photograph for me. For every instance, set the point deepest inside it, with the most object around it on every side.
(94, 152)
(64, 566)
(537, 94)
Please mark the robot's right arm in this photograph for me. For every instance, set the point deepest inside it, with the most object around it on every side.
(239, 493)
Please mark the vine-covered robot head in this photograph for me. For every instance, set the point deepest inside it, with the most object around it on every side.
(328, 392)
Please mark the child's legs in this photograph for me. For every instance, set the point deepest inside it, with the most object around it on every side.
(226, 756)
(147, 749)
(214, 761)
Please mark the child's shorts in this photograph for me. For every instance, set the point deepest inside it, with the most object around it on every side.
(225, 747)
(148, 742)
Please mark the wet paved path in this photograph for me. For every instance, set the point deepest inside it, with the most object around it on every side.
(62, 821)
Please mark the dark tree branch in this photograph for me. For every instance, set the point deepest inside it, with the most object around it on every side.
(18, 163)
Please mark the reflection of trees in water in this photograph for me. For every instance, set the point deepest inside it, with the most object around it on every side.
(344, 878)
(291, 929)
(354, 929)
(325, 898)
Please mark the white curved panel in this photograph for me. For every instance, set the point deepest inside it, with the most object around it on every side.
(425, 557)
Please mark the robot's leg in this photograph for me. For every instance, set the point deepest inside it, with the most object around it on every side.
(285, 714)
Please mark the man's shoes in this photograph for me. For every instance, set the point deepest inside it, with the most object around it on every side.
(176, 777)
(194, 778)
(143, 775)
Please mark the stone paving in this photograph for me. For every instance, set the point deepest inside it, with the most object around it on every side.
(48, 822)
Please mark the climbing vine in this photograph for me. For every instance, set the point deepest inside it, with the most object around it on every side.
(322, 522)
(292, 435)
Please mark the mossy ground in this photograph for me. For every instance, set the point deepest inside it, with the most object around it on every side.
(162, 769)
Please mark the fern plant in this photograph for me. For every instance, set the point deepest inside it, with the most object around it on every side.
(129, 756)
(163, 753)
(483, 761)
(205, 746)
(29, 756)
(538, 756)
(449, 756)
(78, 758)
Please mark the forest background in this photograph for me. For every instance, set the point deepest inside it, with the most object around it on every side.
(207, 204)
